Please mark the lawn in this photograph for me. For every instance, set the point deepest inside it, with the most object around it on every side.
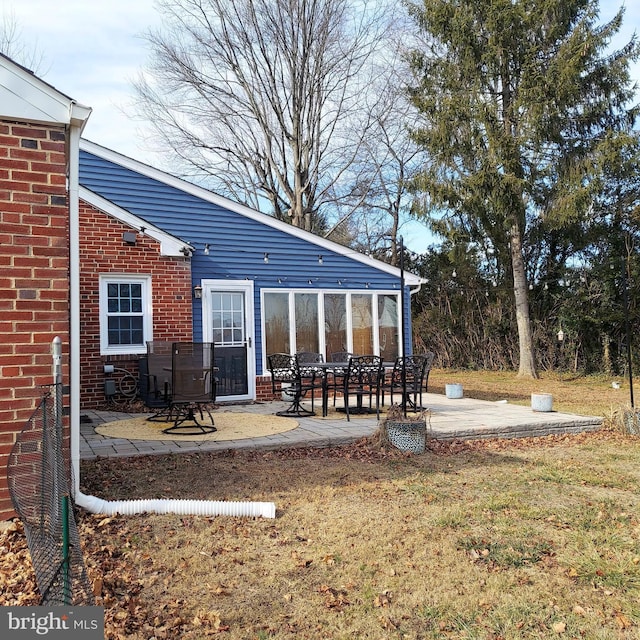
(531, 538)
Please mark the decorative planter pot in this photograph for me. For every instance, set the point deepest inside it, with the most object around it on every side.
(631, 420)
(407, 436)
(453, 390)
(542, 402)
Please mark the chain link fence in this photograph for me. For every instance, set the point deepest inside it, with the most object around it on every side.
(38, 479)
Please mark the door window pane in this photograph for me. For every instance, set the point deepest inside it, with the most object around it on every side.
(276, 316)
(335, 323)
(306, 308)
(227, 318)
(388, 326)
(362, 322)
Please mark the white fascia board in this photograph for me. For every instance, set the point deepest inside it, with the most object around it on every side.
(169, 245)
(26, 98)
(263, 218)
(79, 114)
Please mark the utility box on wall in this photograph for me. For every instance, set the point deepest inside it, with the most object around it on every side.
(109, 388)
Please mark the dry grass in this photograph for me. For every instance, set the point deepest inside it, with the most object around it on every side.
(583, 395)
(533, 538)
(484, 540)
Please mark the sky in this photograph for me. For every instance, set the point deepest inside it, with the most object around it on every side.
(92, 51)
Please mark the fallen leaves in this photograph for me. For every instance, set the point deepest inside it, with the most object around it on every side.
(383, 599)
(253, 578)
(334, 598)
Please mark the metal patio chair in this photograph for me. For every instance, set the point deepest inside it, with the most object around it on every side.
(409, 378)
(155, 379)
(337, 374)
(286, 373)
(363, 380)
(193, 388)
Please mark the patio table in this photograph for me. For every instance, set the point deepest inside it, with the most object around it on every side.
(326, 368)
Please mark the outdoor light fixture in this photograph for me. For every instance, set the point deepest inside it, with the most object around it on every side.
(266, 258)
(129, 237)
(560, 335)
(320, 259)
(206, 249)
(197, 291)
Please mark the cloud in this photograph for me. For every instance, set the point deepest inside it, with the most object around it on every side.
(91, 52)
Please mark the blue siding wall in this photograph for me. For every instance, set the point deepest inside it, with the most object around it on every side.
(237, 243)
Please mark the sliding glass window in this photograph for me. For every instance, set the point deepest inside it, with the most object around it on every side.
(335, 323)
(361, 323)
(306, 323)
(276, 323)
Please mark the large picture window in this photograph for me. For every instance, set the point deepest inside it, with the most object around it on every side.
(335, 323)
(328, 322)
(306, 315)
(276, 323)
(388, 326)
(125, 314)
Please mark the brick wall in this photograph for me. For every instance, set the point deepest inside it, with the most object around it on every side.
(34, 266)
(102, 251)
(263, 389)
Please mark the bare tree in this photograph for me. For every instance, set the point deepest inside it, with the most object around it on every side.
(379, 201)
(12, 45)
(374, 201)
(263, 97)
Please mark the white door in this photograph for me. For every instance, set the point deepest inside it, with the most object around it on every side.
(227, 321)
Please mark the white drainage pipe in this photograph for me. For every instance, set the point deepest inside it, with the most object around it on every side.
(94, 504)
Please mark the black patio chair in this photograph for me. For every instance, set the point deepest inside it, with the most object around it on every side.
(193, 388)
(310, 373)
(155, 379)
(362, 380)
(337, 374)
(287, 375)
(409, 378)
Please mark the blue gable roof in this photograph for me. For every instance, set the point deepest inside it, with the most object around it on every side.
(238, 238)
(243, 244)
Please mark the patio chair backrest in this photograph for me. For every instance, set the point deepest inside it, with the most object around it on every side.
(364, 370)
(415, 371)
(306, 357)
(159, 358)
(193, 373)
(158, 371)
(306, 360)
(283, 367)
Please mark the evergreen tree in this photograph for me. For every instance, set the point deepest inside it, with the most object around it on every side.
(516, 99)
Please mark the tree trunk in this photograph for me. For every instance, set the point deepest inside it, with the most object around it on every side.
(607, 365)
(527, 366)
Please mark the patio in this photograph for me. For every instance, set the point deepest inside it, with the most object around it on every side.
(462, 418)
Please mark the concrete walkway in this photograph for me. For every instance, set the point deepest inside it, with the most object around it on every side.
(462, 418)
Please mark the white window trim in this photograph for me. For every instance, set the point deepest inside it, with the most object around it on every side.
(147, 314)
(349, 328)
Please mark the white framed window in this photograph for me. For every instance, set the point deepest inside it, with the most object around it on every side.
(125, 314)
(360, 322)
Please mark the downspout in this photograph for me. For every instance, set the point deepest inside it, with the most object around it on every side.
(74, 301)
(183, 507)
(92, 503)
